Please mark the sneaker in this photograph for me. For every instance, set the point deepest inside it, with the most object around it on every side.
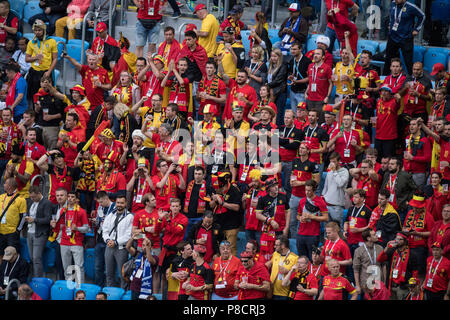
(179, 4)
(176, 15)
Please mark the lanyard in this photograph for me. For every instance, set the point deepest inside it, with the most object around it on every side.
(169, 145)
(311, 269)
(255, 68)
(312, 133)
(331, 250)
(285, 258)
(332, 5)
(216, 159)
(374, 254)
(347, 143)
(395, 84)
(151, 84)
(357, 213)
(295, 65)
(284, 132)
(392, 184)
(315, 71)
(4, 201)
(250, 161)
(222, 270)
(435, 269)
(139, 185)
(399, 17)
(353, 114)
(6, 267)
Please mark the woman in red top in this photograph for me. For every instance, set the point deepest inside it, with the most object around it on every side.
(264, 100)
(436, 195)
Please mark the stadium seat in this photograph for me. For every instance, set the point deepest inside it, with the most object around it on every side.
(60, 45)
(370, 45)
(49, 256)
(31, 9)
(311, 42)
(419, 52)
(29, 36)
(293, 245)
(273, 36)
(158, 296)
(24, 249)
(440, 11)
(444, 51)
(245, 41)
(127, 295)
(74, 50)
(431, 58)
(42, 286)
(114, 293)
(344, 215)
(241, 242)
(17, 7)
(63, 290)
(91, 290)
(55, 75)
(316, 5)
(89, 263)
(78, 42)
(382, 47)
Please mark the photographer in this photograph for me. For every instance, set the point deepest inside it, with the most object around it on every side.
(139, 185)
(403, 265)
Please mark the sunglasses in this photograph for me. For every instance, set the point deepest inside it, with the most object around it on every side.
(225, 243)
(244, 260)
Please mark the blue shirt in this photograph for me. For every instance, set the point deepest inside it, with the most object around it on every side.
(21, 87)
(405, 15)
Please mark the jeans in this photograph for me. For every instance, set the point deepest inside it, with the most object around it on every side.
(216, 297)
(322, 180)
(305, 245)
(280, 102)
(274, 297)
(420, 179)
(286, 170)
(36, 246)
(58, 261)
(336, 213)
(252, 235)
(77, 252)
(393, 50)
(293, 224)
(296, 98)
(144, 35)
(100, 264)
(331, 34)
(115, 257)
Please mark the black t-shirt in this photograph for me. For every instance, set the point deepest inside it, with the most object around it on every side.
(52, 106)
(218, 161)
(290, 138)
(300, 71)
(268, 203)
(193, 201)
(230, 219)
(179, 263)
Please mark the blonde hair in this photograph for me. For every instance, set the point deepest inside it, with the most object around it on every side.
(120, 109)
(260, 51)
(272, 68)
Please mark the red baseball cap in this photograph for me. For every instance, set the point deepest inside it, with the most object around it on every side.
(101, 26)
(199, 7)
(437, 68)
(190, 27)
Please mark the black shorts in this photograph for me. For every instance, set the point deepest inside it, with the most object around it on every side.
(10, 239)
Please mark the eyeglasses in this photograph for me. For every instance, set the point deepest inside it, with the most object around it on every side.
(244, 260)
(225, 243)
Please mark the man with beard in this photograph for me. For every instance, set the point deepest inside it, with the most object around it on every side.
(33, 150)
(70, 136)
(238, 129)
(302, 284)
(195, 55)
(29, 121)
(16, 99)
(9, 136)
(149, 77)
(167, 146)
(19, 168)
(94, 78)
(105, 47)
(367, 78)
(211, 90)
(170, 47)
(111, 180)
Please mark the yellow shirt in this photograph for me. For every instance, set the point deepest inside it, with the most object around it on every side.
(29, 169)
(47, 48)
(11, 219)
(276, 278)
(344, 87)
(229, 66)
(210, 25)
(158, 118)
(237, 140)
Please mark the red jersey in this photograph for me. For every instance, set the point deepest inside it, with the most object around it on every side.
(255, 275)
(371, 187)
(59, 178)
(225, 272)
(199, 276)
(248, 92)
(302, 171)
(179, 93)
(143, 219)
(141, 187)
(421, 223)
(172, 148)
(414, 104)
(343, 5)
(14, 23)
(215, 88)
(34, 152)
(357, 218)
(311, 228)
(438, 274)
(386, 126)
(93, 93)
(316, 137)
(308, 282)
(319, 77)
(338, 250)
(420, 148)
(169, 190)
(111, 183)
(344, 147)
(173, 229)
(170, 54)
(395, 83)
(445, 156)
(78, 217)
(253, 195)
(336, 288)
(76, 135)
(14, 135)
(102, 151)
(149, 9)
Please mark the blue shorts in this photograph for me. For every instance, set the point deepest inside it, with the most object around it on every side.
(144, 35)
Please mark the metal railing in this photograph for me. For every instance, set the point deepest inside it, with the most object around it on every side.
(180, 31)
(40, 177)
(63, 71)
(9, 285)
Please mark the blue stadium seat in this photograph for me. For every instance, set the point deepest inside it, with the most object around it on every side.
(17, 7)
(31, 9)
(316, 4)
(441, 50)
(273, 36)
(382, 46)
(158, 296)
(370, 45)
(29, 36)
(241, 242)
(74, 50)
(49, 256)
(78, 42)
(63, 290)
(42, 286)
(345, 212)
(114, 293)
(333, 94)
(127, 295)
(245, 41)
(431, 58)
(24, 249)
(91, 290)
(55, 75)
(89, 263)
(419, 52)
(311, 42)
(60, 45)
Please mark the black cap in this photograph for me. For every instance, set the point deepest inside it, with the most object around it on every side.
(229, 30)
(18, 149)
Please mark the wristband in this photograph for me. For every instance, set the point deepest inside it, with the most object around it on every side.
(143, 229)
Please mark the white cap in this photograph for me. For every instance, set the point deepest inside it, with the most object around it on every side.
(294, 7)
(323, 39)
(138, 133)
